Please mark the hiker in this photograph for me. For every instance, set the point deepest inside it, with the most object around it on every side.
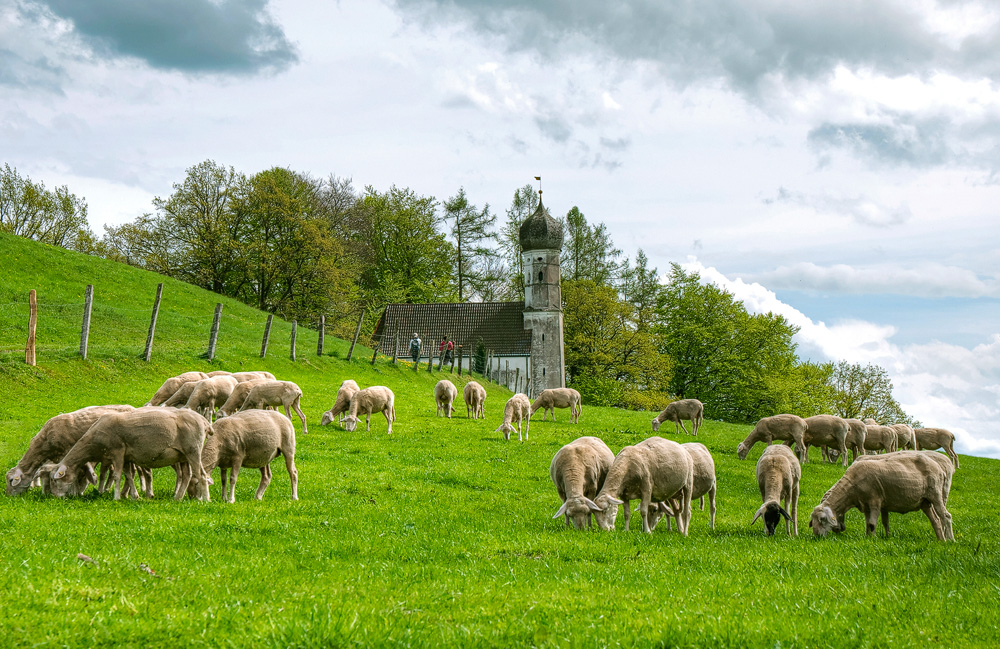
(444, 351)
(415, 348)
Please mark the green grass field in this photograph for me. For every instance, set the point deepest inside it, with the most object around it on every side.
(441, 534)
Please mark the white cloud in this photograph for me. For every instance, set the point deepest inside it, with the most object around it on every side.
(940, 384)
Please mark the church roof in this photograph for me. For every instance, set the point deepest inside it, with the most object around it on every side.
(500, 325)
(540, 231)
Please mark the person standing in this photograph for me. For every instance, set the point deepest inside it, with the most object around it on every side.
(444, 351)
(415, 344)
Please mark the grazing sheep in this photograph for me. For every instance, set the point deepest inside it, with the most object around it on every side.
(179, 398)
(237, 398)
(690, 409)
(445, 394)
(149, 437)
(578, 471)
(826, 430)
(171, 385)
(931, 439)
(900, 482)
(219, 373)
(475, 400)
(250, 439)
(652, 471)
(789, 428)
(553, 398)
(56, 437)
(879, 438)
(253, 376)
(704, 484)
(856, 437)
(207, 393)
(274, 394)
(517, 409)
(342, 403)
(905, 438)
(778, 475)
(377, 398)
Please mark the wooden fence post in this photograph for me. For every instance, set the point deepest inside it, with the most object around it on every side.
(29, 347)
(452, 371)
(295, 331)
(322, 332)
(506, 374)
(146, 355)
(430, 357)
(517, 380)
(267, 335)
(375, 344)
(357, 332)
(88, 301)
(213, 336)
(489, 365)
(460, 360)
(395, 347)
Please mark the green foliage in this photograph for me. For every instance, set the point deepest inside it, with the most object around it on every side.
(471, 228)
(522, 206)
(862, 392)
(479, 357)
(588, 252)
(56, 217)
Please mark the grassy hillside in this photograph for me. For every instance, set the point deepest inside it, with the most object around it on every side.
(438, 535)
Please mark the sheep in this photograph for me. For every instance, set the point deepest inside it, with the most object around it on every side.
(253, 376)
(516, 409)
(879, 438)
(790, 428)
(207, 393)
(652, 471)
(905, 438)
(445, 394)
(237, 398)
(778, 476)
(578, 470)
(274, 394)
(150, 437)
(826, 430)
(52, 442)
(250, 439)
(690, 409)
(374, 399)
(553, 398)
(475, 400)
(171, 385)
(179, 398)
(855, 441)
(931, 439)
(704, 484)
(900, 482)
(341, 404)
(219, 373)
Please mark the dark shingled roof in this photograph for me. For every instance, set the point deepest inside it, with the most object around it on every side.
(499, 324)
(540, 231)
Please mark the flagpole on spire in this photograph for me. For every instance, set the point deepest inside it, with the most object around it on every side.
(539, 179)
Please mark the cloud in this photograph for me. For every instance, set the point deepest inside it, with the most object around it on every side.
(930, 280)
(941, 385)
(195, 36)
(863, 210)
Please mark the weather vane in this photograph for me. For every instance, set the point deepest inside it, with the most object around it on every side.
(539, 179)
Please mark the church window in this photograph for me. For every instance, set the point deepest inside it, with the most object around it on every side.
(540, 275)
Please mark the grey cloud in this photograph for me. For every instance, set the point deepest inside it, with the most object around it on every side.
(554, 127)
(863, 210)
(904, 140)
(199, 36)
(19, 72)
(617, 144)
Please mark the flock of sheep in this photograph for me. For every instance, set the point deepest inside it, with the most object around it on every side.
(665, 476)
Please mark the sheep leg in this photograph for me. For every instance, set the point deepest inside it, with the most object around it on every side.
(223, 471)
(368, 420)
(871, 519)
(117, 464)
(685, 494)
(711, 509)
(928, 509)
(147, 480)
(627, 514)
(130, 491)
(180, 469)
(885, 522)
(947, 533)
(644, 512)
(680, 422)
(102, 481)
(265, 479)
(298, 411)
(293, 475)
(794, 511)
(188, 472)
(388, 419)
(951, 453)
(843, 452)
(232, 483)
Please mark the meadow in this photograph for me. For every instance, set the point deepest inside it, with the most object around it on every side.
(438, 535)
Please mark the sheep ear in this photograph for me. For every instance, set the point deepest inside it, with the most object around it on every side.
(781, 510)
(590, 503)
(760, 512)
(810, 522)
(60, 472)
(666, 509)
(562, 510)
(91, 476)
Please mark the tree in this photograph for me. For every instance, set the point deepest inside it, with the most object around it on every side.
(589, 252)
(470, 228)
(523, 205)
(57, 217)
(862, 392)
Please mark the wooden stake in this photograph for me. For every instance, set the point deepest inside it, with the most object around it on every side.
(322, 332)
(460, 360)
(357, 332)
(295, 331)
(267, 335)
(506, 374)
(146, 355)
(375, 344)
(213, 336)
(29, 348)
(88, 301)
(517, 379)
(395, 348)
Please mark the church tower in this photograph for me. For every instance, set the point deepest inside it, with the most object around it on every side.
(541, 238)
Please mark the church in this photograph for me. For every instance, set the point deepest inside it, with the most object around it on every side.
(525, 336)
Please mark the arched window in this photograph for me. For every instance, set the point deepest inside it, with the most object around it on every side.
(541, 275)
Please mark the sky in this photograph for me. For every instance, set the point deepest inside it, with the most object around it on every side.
(835, 161)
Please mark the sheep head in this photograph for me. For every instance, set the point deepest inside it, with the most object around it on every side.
(66, 481)
(656, 512)
(656, 424)
(772, 513)
(327, 418)
(742, 450)
(506, 429)
(607, 511)
(823, 520)
(17, 481)
(577, 511)
(350, 423)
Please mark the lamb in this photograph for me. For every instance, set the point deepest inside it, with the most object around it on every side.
(179, 398)
(274, 394)
(171, 385)
(475, 399)
(56, 437)
(377, 398)
(778, 476)
(652, 471)
(578, 470)
(342, 403)
(879, 438)
(826, 430)
(901, 482)
(445, 394)
(250, 439)
(905, 438)
(704, 483)
(789, 428)
(517, 409)
(690, 409)
(237, 398)
(207, 393)
(150, 437)
(931, 439)
(553, 398)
